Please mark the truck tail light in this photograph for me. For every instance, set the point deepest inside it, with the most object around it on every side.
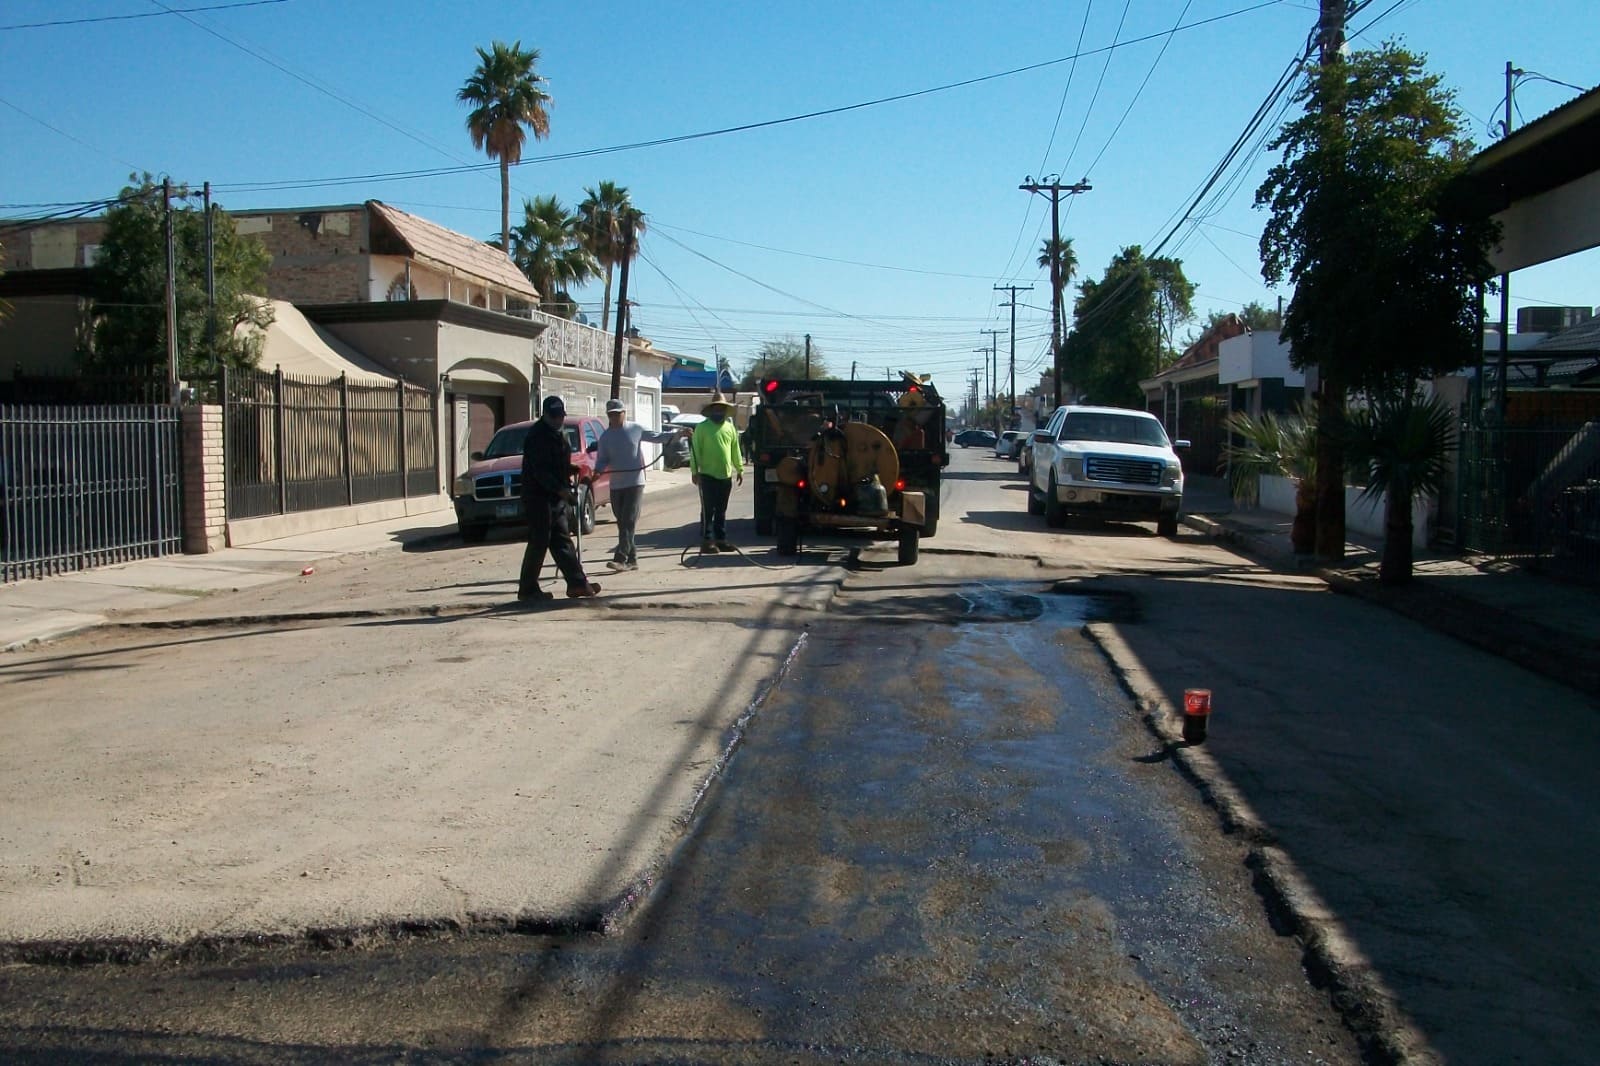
(800, 484)
(900, 485)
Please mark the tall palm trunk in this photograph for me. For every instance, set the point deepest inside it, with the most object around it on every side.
(605, 302)
(505, 205)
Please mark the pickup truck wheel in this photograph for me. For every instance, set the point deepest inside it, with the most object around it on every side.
(788, 533)
(909, 538)
(1167, 525)
(1054, 516)
(581, 515)
(1035, 501)
(474, 533)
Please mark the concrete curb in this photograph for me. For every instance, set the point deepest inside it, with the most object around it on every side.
(1357, 989)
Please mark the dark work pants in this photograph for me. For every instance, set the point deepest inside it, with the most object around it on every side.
(547, 531)
(714, 493)
(625, 507)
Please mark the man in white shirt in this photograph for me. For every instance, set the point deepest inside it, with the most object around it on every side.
(619, 452)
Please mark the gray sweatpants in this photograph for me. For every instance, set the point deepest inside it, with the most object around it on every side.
(625, 506)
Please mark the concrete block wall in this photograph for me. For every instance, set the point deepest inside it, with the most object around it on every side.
(319, 255)
(205, 508)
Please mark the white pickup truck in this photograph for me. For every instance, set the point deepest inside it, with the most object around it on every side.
(1109, 462)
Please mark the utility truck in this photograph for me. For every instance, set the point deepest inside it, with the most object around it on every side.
(863, 456)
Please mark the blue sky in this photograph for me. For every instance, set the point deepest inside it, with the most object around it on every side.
(879, 230)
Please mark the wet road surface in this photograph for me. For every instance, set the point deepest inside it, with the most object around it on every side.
(946, 837)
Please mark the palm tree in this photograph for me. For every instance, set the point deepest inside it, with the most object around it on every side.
(1284, 446)
(1403, 443)
(507, 100)
(546, 249)
(604, 219)
(1066, 261)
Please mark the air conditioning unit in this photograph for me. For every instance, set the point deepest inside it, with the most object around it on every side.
(1550, 319)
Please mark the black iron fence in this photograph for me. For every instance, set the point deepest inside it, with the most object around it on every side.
(299, 444)
(84, 486)
(1530, 494)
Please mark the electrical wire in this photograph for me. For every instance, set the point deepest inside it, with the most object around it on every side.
(139, 15)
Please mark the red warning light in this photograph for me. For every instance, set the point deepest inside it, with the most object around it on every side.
(900, 485)
(800, 484)
(770, 387)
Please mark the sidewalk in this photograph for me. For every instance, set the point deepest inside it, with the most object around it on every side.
(1542, 624)
(44, 609)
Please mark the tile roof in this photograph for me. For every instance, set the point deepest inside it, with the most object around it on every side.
(429, 240)
(1584, 337)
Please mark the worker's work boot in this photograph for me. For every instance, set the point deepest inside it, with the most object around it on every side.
(708, 548)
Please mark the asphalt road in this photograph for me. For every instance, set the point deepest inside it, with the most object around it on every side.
(949, 834)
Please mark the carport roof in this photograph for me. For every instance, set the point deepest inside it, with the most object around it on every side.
(1553, 150)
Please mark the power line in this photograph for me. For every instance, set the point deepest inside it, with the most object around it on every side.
(406, 175)
(140, 15)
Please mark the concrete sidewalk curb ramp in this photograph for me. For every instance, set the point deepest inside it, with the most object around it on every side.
(1358, 991)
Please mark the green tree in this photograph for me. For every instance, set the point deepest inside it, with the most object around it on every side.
(1174, 305)
(545, 247)
(604, 218)
(1383, 255)
(507, 99)
(1281, 445)
(1401, 444)
(782, 358)
(1116, 338)
(130, 326)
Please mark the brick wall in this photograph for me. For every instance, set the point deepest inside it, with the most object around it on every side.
(319, 255)
(205, 512)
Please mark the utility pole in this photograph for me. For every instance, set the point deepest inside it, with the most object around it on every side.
(1505, 282)
(171, 299)
(1012, 303)
(211, 280)
(1330, 381)
(1053, 186)
(808, 357)
(994, 373)
(622, 309)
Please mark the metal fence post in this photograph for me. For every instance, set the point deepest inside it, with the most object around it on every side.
(282, 449)
(400, 441)
(344, 430)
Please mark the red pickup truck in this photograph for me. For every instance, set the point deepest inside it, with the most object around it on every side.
(490, 492)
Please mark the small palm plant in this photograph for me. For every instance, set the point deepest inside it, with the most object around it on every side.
(1403, 443)
(1280, 445)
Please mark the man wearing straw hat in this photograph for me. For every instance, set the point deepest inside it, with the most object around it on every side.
(715, 465)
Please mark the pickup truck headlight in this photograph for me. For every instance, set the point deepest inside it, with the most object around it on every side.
(1072, 467)
(463, 485)
(1174, 472)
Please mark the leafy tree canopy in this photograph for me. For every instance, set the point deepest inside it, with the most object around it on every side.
(1368, 227)
(782, 358)
(130, 328)
(1118, 337)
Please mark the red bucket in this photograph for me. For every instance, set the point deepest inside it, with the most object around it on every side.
(1196, 713)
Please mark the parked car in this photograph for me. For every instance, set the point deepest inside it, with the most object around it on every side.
(489, 494)
(1009, 444)
(1106, 461)
(1025, 454)
(982, 438)
(675, 452)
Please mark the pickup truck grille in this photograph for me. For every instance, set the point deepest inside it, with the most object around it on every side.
(501, 486)
(1122, 471)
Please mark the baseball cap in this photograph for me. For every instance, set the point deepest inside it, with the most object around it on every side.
(554, 406)
(615, 405)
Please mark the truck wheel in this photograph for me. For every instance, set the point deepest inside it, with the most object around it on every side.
(1167, 525)
(1035, 501)
(474, 533)
(1054, 516)
(909, 538)
(788, 531)
(930, 522)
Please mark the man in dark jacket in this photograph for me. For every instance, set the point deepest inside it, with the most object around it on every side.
(547, 494)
